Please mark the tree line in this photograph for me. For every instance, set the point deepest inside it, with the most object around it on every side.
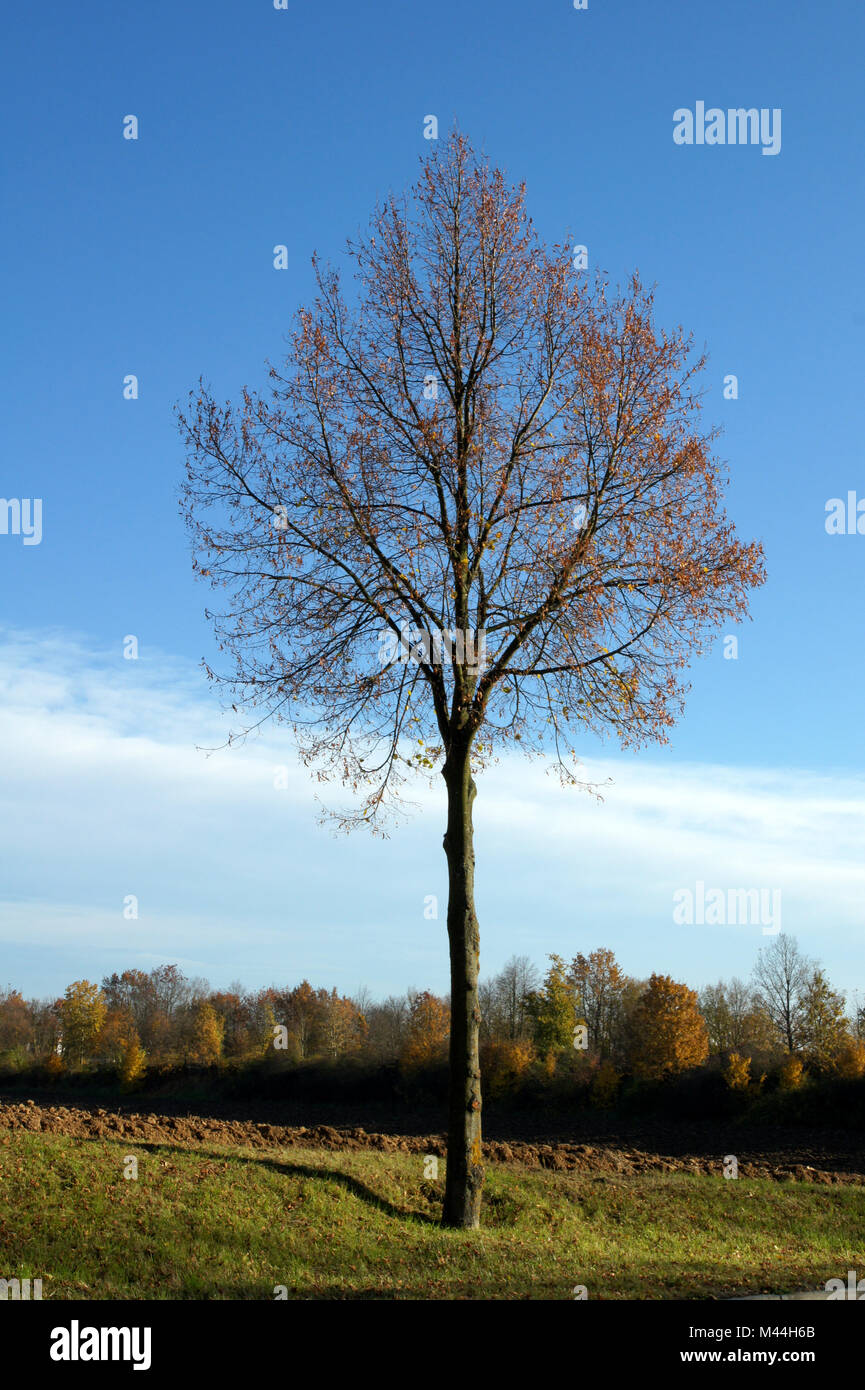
(588, 1012)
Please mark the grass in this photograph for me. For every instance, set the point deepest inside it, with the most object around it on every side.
(229, 1223)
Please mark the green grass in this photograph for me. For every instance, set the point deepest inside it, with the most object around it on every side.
(234, 1223)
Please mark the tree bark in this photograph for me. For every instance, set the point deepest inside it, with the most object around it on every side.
(465, 1173)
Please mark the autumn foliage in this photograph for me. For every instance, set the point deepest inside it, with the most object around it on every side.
(737, 1072)
(668, 1031)
(427, 1031)
(471, 441)
(144, 1025)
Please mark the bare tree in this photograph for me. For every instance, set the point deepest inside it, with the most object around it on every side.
(504, 997)
(781, 976)
(736, 1019)
(388, 1026)
(515, 982)
(490, 470)
(363, 1000)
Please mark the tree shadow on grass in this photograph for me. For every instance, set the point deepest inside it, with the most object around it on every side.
(289, 1170)
(349, 1184)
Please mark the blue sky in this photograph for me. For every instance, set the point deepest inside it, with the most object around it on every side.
(260, 127)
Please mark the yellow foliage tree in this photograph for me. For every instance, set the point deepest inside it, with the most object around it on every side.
(117, 1031)
(737, 1072)
(668, 1032)
(82, 1013)
(428, 1030)
(792, 1073)
(207, 1035)
(133, 1062)
(850, 1059)
(504, 1063)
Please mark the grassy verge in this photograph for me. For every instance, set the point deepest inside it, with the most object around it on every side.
(220, 1223)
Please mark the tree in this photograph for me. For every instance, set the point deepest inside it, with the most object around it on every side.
(16, 1022)
(134, 993)
(387, 1026)
(737, 1072)
(155, 1000)
(341, 1027)
(599, 985)
(736, 1020)
(427, 1032)
(824, 1030)
(503, 999)
(300, 1011)
(669, 1034)
(82, 1012)
(623, 1030)
(477, 508)
(47, 1026)
(207, 1034)
(133, 1062)
(235, 1013)
(552, 1009)
(781, 975)
(117, 1032)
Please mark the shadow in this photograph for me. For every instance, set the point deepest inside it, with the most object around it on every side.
(349, 1184)
(297, 1170)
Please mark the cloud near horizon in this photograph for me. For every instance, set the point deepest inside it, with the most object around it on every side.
(107, 794)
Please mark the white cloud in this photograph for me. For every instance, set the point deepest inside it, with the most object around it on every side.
(105, 794)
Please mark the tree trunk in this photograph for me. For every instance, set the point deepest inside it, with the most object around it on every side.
(465, 1173)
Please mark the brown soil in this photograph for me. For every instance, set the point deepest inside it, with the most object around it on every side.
(606, 1157)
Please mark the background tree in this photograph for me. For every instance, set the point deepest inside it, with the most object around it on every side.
(599, 985)
(781, 975)
(233, 1008)
(82, 1013)
(299, 1010)
(623, 1031)
(156, 1000)
(503, 1000)
(341, 1029)
(16, 1023)
(427, 1030)
(552, 1009)
(479, 440)
(736, 1020)
(823, 1026)
(387, 1025)
(47, 1026)
(133, 992)
(207, 1034)
(133, 1061)
(668, 1031)
(737, 1072)
(116, 1034)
